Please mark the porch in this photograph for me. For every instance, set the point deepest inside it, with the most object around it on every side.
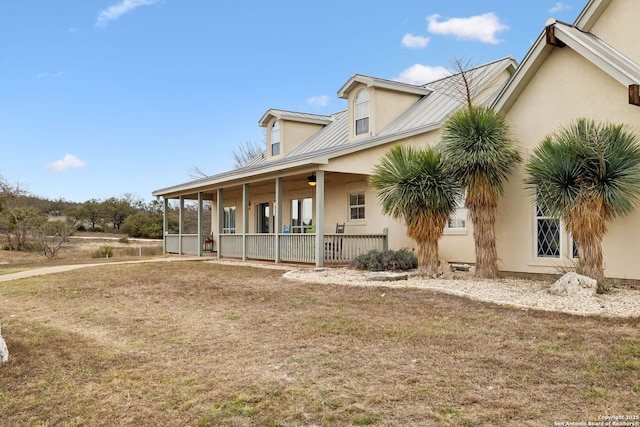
(297, 248)
(281, 219)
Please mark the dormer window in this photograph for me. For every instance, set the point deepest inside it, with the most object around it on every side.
(275, 138)
(361, 104)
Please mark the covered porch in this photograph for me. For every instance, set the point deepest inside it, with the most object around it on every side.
(280, 219)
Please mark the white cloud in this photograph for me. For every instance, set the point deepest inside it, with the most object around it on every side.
(559, 7)
(117, 10)
(318, 101)
(481, 27)
(67, 162)
(419, 74)
(415, 42)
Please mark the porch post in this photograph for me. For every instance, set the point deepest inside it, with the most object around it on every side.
(200, 240)
(220, 210)
(180, 225)
(245, 219)
(165, 225)
(278, 214)
(319, 218)
(385, 242)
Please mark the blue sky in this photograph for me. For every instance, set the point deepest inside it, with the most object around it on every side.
(100, 98)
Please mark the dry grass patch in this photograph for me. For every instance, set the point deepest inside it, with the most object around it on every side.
(82, 250)
(193, 343)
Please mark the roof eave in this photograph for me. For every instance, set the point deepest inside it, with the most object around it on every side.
(356, 79)
(523, 74)
(590, 14)
(285, 115)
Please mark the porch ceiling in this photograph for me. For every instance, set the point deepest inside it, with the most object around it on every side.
(209, 191)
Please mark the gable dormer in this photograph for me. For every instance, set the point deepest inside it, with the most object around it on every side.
(286, 130)
(374, 103)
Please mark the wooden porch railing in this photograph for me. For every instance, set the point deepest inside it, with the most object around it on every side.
(343, 248)
(231, 245)
(298, 248)
(189, 243)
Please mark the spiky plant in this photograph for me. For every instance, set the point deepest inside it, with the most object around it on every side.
(587, 174)
(413, 185)
(481, 153)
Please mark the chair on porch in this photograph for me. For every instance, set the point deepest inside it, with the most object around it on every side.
(333, 248)
(208, 243)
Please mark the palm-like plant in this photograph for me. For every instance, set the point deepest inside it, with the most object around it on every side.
(481, 153)
(413, 185)
(587, 174)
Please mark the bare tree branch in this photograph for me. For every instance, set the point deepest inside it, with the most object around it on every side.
(195, 172)
(464, 81)
(246, 151)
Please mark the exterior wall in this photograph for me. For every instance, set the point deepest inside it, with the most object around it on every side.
(565, 88)
(455, 245)
(388, 105)
(491, 89)
(384, 107)
(292, 134)
(617, 26)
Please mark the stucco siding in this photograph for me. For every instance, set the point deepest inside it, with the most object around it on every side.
(565, 88)
(618, 26)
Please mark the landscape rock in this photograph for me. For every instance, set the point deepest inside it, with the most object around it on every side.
(4, 351)
(575, 285)
(445, 270)
(460, 267)
(385, 276)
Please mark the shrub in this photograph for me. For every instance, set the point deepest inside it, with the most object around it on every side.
(103, 252)
(389, 260)
(123, 239)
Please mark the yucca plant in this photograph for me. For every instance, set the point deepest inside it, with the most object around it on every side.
(414, 186)
(480, 153)
(587, 174)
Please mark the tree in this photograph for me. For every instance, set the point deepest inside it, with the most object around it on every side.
(90, 211)
(117, 210)
(20, 222)
(142, 224)
(480, 154)
(245, 152)
(50, 236)
(587, 174)
(413, 185)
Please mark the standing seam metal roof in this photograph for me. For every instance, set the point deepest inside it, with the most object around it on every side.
(426, 114)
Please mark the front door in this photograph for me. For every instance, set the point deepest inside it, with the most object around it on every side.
(264, 217)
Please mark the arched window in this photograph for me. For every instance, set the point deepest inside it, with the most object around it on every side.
(275, 138)
(361, 105)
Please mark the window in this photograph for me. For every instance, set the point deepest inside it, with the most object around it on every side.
(361, 105)
(458, 220)
(301, 214)
(356, 206)
(264, 217)
(275, 138)
(547, 233)
(229, 220)
(574, 249)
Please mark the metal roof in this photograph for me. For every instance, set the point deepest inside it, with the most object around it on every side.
(446, 97)
(294, 116)
(380, 83)
(438, 102)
